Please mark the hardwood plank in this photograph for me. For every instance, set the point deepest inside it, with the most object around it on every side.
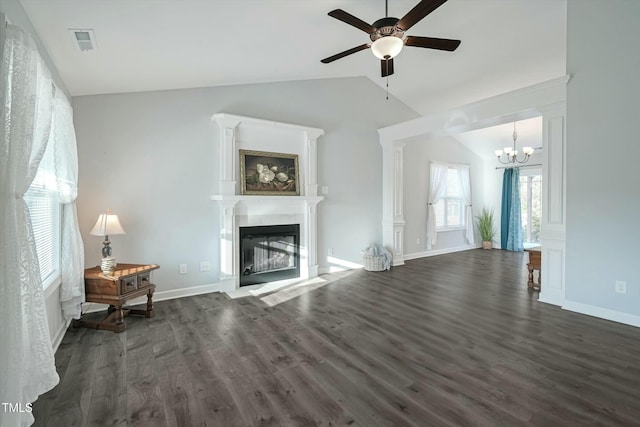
(320, 405)
(145, 406)
(449, 340)
(74, 392)
(252, 403)
(110, 385)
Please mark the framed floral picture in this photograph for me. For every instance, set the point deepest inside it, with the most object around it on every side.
(265, 173)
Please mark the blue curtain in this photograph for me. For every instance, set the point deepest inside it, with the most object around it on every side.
(511, 219)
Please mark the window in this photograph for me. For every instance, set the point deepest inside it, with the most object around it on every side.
(531, 207)
(45, 211)
(450, 209)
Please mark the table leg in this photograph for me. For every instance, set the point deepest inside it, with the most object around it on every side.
(119, 317)
(538, 285)
(149, 312)
(530, 282)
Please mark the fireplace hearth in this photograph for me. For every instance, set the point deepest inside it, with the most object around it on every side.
(269, 253)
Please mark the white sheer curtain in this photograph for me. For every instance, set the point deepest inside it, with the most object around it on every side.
(63, 141)
(465, 186)
(437, 187)
(27, 367)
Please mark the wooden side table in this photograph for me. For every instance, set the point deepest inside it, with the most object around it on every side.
(535, 263)
(127, 281)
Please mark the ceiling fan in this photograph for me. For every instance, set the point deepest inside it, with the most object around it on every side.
(387, 34)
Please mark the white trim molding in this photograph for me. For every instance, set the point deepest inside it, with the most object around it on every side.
(393, 222)
(236, 210)
(434, 252)
(553, 224)
(62, 330)
(552, 270)
(546, 99)
(92, 307)
(602, 313)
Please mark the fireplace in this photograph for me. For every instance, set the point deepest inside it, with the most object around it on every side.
(238, 211)
(269, 253)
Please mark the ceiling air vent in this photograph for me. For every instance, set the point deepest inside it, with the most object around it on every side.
(84, 39)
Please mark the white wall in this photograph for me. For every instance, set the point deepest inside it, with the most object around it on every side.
(417, 156)
(150, 157)
(493, 194)
(603, 196)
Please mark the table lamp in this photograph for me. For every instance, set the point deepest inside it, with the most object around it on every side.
(107, 224)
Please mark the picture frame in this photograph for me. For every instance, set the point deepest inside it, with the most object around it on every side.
(267, 173)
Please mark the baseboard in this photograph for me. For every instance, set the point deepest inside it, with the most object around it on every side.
(549, 298)
(602, 313)
(434, 252)
(91, 307)
(55, 343)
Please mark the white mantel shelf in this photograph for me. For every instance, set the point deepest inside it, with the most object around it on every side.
(240, 210)
(256, 198)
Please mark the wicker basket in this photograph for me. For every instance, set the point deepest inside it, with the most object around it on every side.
(373, 262)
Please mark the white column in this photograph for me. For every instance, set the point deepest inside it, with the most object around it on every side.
(229, 246)
(311, 237)
(311, 163)
(553, 230)
(227, 168)
(393, 222)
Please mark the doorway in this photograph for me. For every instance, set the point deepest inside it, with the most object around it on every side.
(531, 206)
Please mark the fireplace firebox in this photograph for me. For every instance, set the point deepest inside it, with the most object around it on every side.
(269, 253)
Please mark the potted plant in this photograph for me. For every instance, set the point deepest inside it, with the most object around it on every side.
(484, 222)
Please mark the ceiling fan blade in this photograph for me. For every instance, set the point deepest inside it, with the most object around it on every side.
(432, 43)
(348, 18)
(418, 12)
(387, 67)
(345, 53)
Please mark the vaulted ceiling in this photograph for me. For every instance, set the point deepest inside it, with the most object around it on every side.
(147, 45)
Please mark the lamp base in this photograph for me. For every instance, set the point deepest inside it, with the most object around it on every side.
(108, 265)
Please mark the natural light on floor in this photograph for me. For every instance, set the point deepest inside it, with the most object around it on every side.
(294, 291)
(274, 293)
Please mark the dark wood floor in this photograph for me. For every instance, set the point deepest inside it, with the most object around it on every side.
(449, 340)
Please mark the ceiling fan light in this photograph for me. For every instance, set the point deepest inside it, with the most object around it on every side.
(387, 47)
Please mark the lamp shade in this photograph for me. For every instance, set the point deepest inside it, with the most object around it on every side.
(387, 47)
(107, 225)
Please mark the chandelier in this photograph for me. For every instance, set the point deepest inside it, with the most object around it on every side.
(510, 155)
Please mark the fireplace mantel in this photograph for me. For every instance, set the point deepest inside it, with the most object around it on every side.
(236, 210)
(269, 199)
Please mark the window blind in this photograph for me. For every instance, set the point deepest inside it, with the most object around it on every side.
(44, 209)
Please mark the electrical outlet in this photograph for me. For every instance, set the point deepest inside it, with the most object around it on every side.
(417, 240)
(621, 287)
(205, 266)
(325, 189)
(330, 251)
(183, 268)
